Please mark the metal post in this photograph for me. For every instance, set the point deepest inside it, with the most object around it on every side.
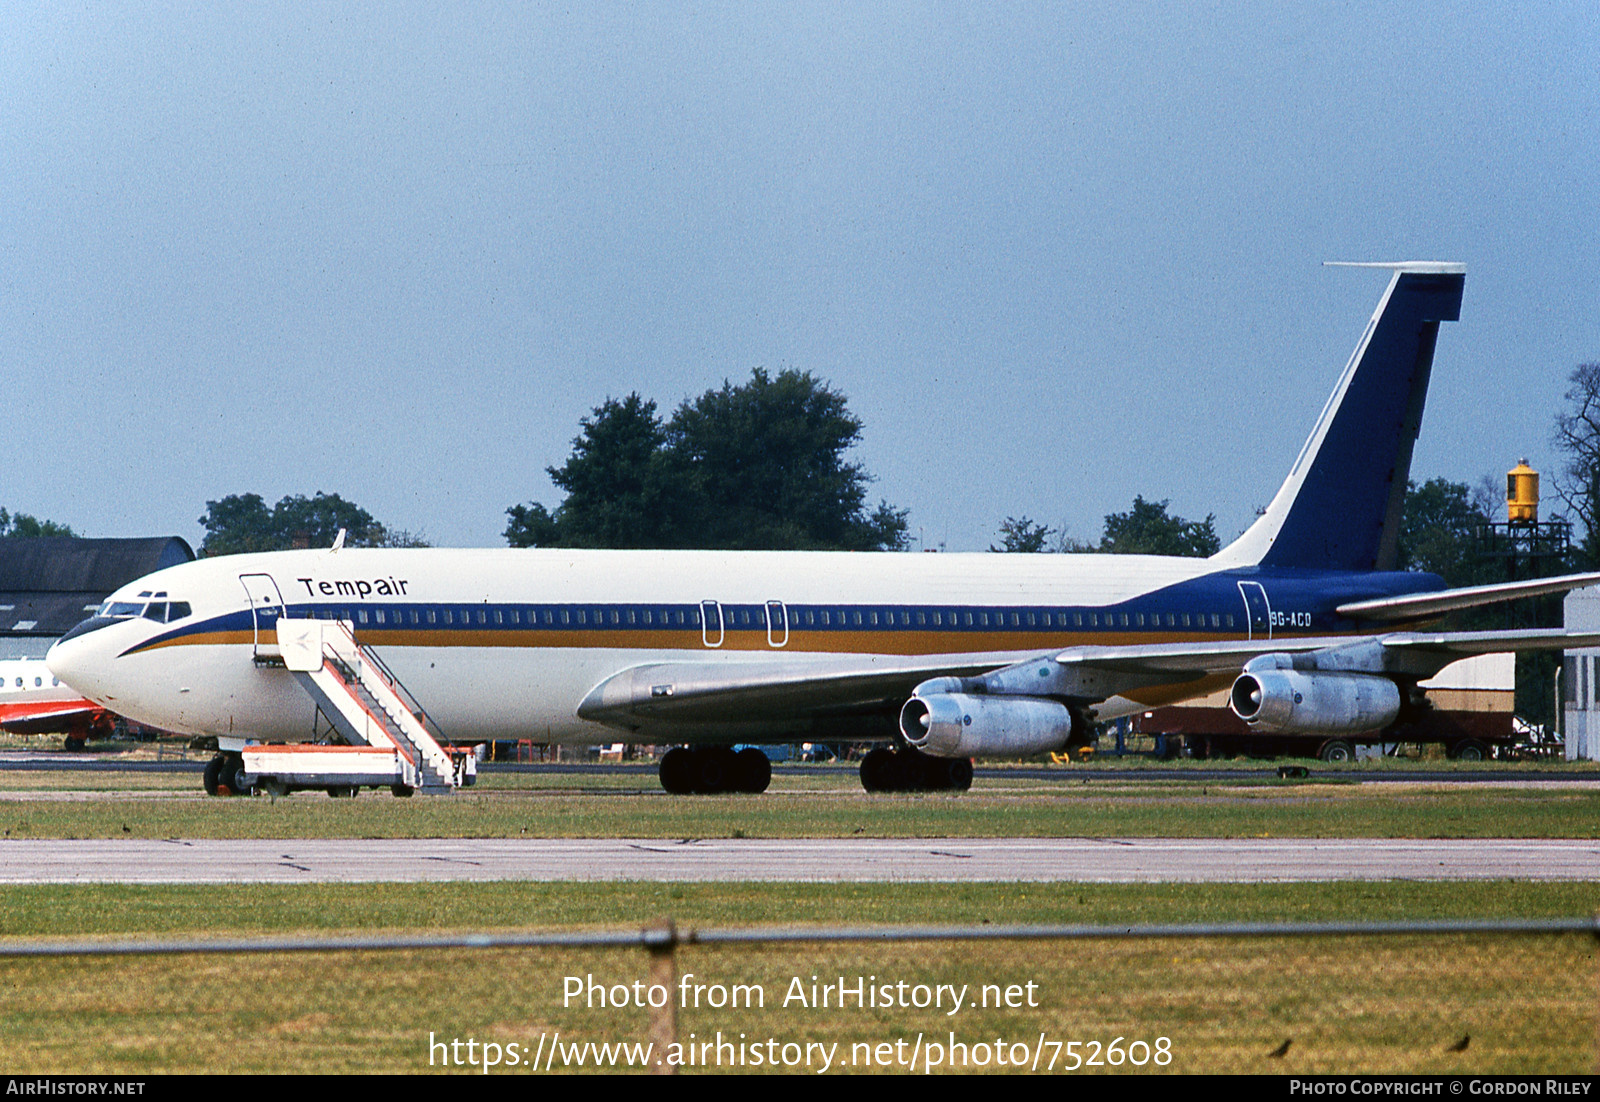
(661, 940)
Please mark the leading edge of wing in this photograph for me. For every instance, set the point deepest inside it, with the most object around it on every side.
(1195, 659)
(735, 692)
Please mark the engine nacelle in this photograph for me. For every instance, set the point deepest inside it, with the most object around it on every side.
(1292, 702)
(961, 725)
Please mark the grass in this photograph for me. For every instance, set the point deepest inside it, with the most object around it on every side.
(510, 806)
(1347, 1004)
(1403, 1005)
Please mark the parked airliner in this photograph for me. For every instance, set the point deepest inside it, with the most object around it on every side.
(34, 702)
(944, 658)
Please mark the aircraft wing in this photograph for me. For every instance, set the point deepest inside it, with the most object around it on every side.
(1431, 604)
(771, 698)
(41, 717)
(1200, 659)
(859, 696)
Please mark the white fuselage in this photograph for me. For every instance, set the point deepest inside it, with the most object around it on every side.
(507, 643)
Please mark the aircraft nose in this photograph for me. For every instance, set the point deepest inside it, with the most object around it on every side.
(81, 662)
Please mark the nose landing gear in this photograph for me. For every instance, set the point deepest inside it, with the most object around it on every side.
(224, 776)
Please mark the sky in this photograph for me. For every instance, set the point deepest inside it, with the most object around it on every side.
(1056, 256)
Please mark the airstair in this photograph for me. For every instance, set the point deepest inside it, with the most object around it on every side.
(388, 740)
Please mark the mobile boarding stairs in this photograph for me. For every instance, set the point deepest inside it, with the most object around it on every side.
(388, 739)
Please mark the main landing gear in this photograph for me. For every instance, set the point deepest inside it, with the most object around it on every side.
(714, 769)
(908, 770)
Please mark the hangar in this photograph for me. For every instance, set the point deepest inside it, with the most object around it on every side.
(49, 583)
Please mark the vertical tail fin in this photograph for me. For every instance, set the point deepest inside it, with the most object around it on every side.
(1339, 509)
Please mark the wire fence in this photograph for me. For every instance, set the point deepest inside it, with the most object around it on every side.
(661, 940)
(667, 936)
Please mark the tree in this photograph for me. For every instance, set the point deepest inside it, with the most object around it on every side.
(1439, 533)
(764, 464)
(1577, 436)
(241, 523)
(756, 466)
(615, 481)
(1146, 529)
(237, 524)
(531, 525)
(1023, 535)
(23, 526)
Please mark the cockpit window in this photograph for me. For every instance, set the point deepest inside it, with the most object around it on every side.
(162, 612)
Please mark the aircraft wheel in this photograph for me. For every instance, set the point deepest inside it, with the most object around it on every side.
(1337, 750)
(212, 778)
(958, 774)
(72, 744)
(914, 769)
(677, 771)
(401, 790)
(717, 771)
(230, 775)
(877, 770)
(752, 770)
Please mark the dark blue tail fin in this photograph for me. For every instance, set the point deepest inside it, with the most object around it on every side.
(1339, 509)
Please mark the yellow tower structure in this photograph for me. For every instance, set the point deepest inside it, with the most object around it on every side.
(1522, 494)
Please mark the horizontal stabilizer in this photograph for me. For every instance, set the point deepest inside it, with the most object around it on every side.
(1429, 604)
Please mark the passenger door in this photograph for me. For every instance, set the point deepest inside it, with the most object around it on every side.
(266, 609)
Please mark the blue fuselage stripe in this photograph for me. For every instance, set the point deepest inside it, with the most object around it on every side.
(1297, 602)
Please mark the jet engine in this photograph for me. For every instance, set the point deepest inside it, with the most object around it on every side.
(1288, 701)
(962, 725)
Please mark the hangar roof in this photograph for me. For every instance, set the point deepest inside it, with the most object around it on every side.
(50, 583)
